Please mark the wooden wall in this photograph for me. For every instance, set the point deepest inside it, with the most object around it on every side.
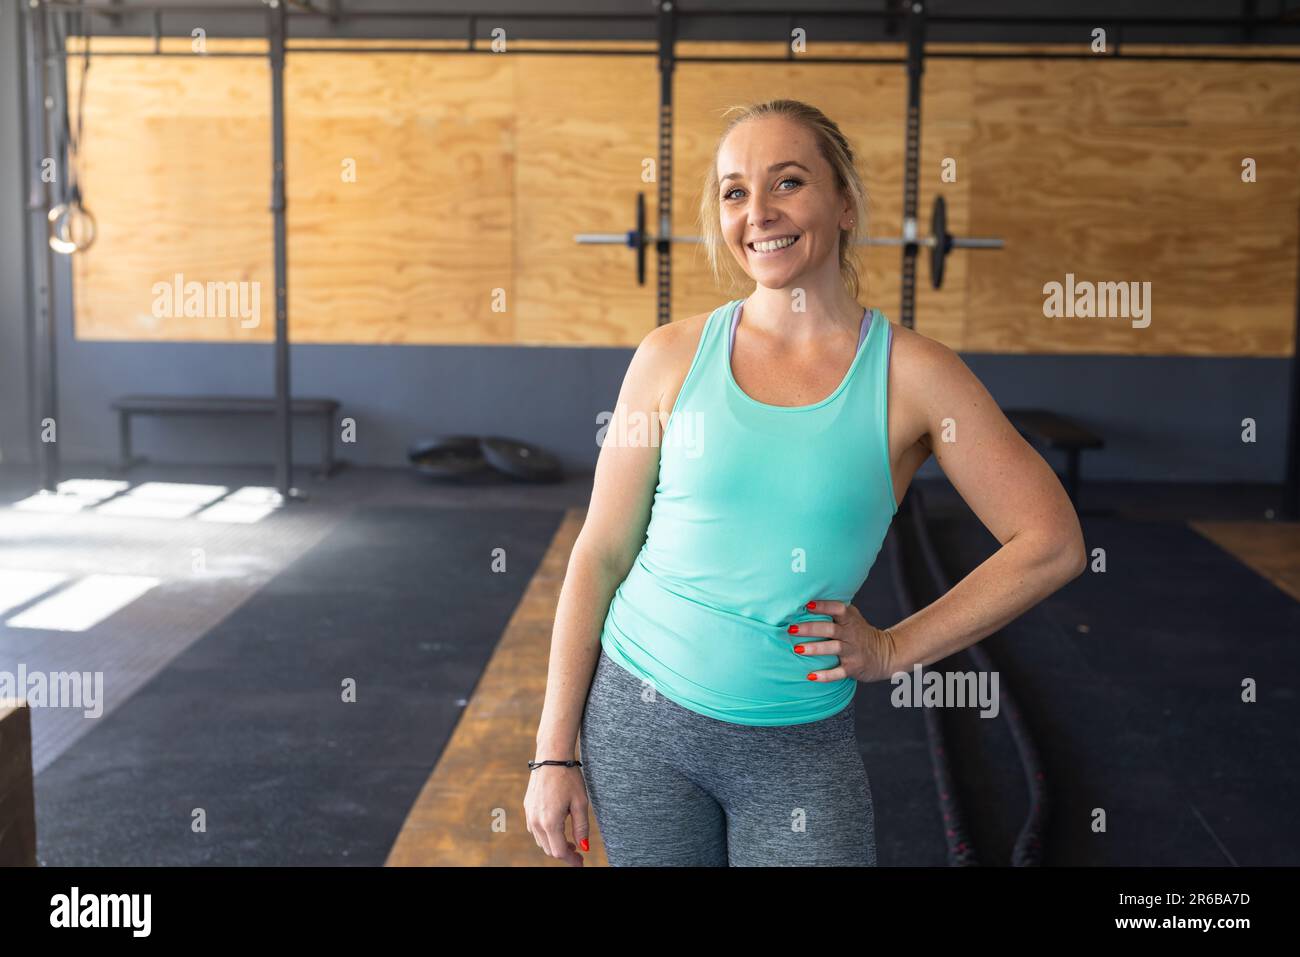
(473, 172)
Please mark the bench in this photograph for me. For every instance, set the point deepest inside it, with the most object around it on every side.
(1047, 430)
(131, 405)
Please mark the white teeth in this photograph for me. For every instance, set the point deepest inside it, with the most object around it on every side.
(774, 245)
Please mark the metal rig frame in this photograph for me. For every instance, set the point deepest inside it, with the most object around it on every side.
(906, 16)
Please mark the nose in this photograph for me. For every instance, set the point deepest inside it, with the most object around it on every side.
(760, 210)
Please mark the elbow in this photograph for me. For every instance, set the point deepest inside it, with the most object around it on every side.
(1069, 553)
(1072, 557)
(608, 563)
(1061, 559)
(1080, 564)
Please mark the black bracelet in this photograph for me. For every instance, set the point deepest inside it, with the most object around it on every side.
(534, 765)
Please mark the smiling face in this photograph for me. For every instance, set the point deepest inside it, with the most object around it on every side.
(781, 210)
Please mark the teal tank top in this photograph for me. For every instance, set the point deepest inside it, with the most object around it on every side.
(759, 509)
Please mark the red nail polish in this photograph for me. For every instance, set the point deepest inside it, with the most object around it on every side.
(812, 605)
(798, 649)
(584, 845)
(794, 629)
(811, 676)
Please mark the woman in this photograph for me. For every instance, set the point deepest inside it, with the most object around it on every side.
(705, 651)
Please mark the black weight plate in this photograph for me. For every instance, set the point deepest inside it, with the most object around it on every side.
(448, 457)
(521, 461)
(462, 443)
(942, 241)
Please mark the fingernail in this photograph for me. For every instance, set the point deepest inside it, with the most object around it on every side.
(812, 604)
(798, 649)
(584, 845)
(794, 629)
(811, 676)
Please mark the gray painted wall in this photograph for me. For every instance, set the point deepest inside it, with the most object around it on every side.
(1164, 418)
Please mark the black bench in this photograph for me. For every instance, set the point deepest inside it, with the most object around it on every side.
(129, 405)
(1047, 430)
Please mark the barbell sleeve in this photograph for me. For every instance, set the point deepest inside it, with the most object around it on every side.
(977, 242)
(607, 239)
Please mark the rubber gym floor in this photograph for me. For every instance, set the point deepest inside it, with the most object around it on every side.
(226, 676)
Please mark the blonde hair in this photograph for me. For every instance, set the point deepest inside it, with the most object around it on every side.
(834, 148)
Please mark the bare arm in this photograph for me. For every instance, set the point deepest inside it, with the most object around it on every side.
(1005, 482)
(627, 471)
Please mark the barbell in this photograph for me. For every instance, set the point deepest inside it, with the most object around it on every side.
(940, 242)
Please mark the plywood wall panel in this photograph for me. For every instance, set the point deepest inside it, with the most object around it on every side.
(474, 171)
(413, 250)
(586, 127)
(175, 160)
(1123, 173)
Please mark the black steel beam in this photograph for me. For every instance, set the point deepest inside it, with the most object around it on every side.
(43, 324)
(1247, 20)
(865, 61)
(341, 14)
(31, 309)
(283, 421)
(664, 173)
(915, 29)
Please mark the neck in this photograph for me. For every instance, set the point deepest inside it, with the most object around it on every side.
(820, 311)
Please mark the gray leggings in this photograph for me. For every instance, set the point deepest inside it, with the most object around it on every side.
(671, 787)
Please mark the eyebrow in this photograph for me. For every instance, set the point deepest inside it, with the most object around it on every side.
(771, 169)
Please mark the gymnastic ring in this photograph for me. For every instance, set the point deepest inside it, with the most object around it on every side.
(61, 235)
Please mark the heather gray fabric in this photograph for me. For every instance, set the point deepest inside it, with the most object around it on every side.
(671, 787)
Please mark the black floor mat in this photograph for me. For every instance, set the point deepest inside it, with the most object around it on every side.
(1131, 682)
(248, 730)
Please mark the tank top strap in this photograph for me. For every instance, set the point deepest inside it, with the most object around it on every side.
(706, 358)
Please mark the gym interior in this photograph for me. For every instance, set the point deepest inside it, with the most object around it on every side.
(314, 314)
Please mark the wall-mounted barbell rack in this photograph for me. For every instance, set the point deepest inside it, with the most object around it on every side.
(897, 16)
(939, 242)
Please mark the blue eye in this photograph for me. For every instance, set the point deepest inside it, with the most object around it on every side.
(782, 182)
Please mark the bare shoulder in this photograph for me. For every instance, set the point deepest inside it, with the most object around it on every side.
(669, 350)
(928, 383)
(917, 355)
(677, 336)
(923, 369)
(931, 384)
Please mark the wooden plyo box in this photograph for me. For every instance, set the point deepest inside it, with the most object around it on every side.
(17, 797)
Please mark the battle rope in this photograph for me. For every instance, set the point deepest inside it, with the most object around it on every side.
(961, 852)
(1028, 850)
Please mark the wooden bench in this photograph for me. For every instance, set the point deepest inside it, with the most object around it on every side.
(17, 795)
(130, 405)
(1047, 430)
